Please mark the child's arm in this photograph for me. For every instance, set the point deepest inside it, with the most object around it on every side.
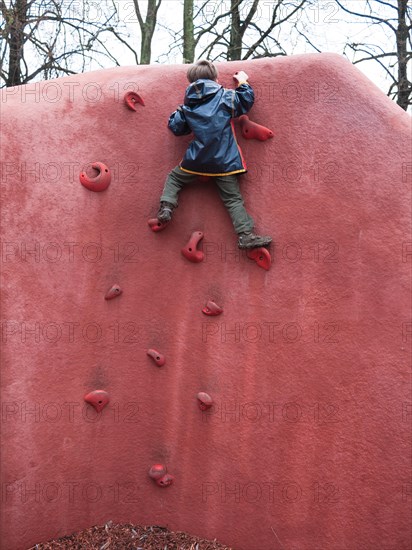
(177, 123)
(241, 100)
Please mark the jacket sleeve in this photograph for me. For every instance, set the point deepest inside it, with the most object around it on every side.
(241, 100)
(178, 124)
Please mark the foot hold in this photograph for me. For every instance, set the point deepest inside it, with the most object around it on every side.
(261, 257)
(190, 251)
(155, 225)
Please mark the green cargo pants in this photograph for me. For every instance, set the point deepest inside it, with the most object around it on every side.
(228, 187)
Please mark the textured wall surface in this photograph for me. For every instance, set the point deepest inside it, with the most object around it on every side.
(308, 442)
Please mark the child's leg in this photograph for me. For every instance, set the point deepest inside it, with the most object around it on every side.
(175, 181)
(230, 194)
(243, 223)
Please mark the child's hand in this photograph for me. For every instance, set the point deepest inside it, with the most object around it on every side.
(241, 77)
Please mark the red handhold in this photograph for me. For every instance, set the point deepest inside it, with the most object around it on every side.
(98, 399)
(157, 357)
(261, 257)
(165, 481)
(131, 98)
(156, 226)
(251, 130)
(100, 182)
(212, 309)
(205, 401)
(113, 292)
(190, 250)
(157, 471)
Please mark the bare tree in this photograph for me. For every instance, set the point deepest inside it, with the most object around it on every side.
(242, 33)
(147, 28)
(50, 38)
(214, 30)
(395, 62)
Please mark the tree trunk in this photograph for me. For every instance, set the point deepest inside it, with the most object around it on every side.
(147, 30)
(234, 51)
(18, 15)
(188, 32)
(401, 39)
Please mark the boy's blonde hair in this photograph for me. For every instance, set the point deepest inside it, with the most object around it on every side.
(202, 69)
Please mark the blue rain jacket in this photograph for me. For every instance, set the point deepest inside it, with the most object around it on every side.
(208, 112)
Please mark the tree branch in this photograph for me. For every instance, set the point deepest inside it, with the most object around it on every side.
(374, 18)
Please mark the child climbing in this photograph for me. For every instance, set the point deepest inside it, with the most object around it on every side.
(208, 112)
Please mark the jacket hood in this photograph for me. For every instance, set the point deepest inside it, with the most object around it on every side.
(201, 90)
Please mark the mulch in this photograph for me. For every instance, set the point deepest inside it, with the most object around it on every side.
(130, 537)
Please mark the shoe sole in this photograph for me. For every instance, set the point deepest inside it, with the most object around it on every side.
(255, 245)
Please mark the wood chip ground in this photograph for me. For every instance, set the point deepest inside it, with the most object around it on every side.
(130, 537)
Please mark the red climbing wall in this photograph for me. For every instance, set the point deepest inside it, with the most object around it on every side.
(307, 444)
